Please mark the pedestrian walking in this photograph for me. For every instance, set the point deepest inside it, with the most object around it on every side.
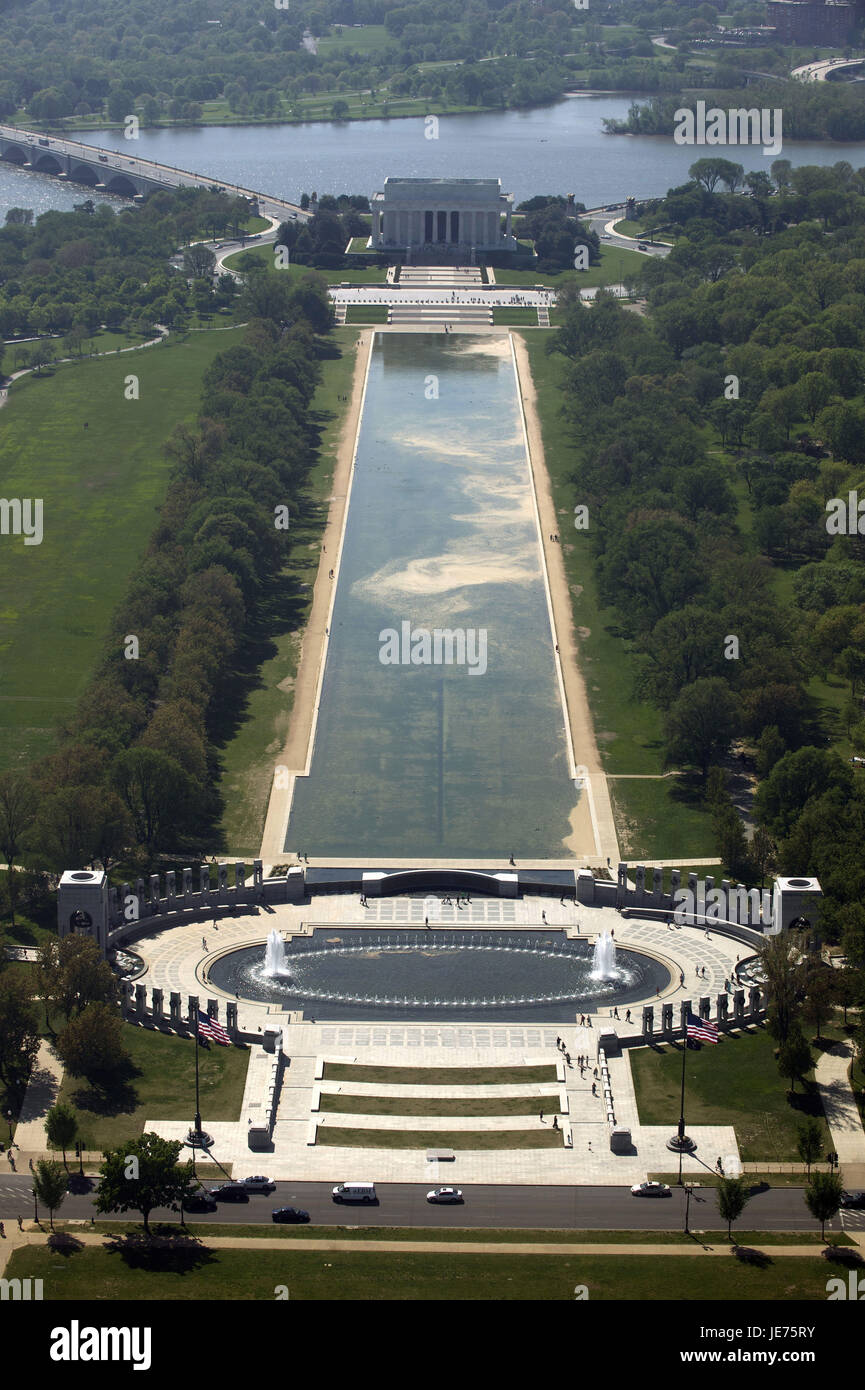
(541, 1117)
(681, 977)
(2, 1231)
(588, 1020)
(20, 1223)
(627, 1015)
(544, 917)
(555, 1122)
(568, 1058)
(558, 1042)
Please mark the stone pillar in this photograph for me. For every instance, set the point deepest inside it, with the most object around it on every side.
(667, 1018)
(157, 1003)
(675, 880)
(684, 1010)
(738, 1004)
(725, 889)
(657, 884)
(126, 1004)
(213, 1009)
(722, 1007)
(754, 999)
(154, 892)
(257, 873)
(648, 1020)
(240, 876)
(171, 889)
(622, 885)
(141, 894)
(192, 1010)
(640, 881)
(174, 1006)
(705, 1006)
(204, 880)
(231, 1019)
(140, 1000)
(222, 879)
(187, 883)
(692, 889)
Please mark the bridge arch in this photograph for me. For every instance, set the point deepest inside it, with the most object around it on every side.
(15, 154)
(84, 173)
(121, 185)
(48, 164)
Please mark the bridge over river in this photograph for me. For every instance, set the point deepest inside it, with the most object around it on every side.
(113, 171)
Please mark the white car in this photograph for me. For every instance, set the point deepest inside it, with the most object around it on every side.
(605, 236)
(445, 1194)
(650, 1189)
(258, 1184)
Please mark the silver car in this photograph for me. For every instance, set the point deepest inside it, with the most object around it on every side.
(445, 1194)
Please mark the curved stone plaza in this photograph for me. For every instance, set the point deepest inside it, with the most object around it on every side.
(177, 958)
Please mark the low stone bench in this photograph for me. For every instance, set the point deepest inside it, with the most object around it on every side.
(445, 1155)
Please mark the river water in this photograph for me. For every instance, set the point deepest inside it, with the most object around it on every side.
(552, 149)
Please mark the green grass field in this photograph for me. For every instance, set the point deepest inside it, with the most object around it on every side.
(419, 1105)
(96, 460)
(660, 819)
(370, 38)
(366, 313)
(615, 266)
(515, 314)
(344, 1138)
(162, 1087)
(371, 275)
(133, 1271)
(437, 1076)
(734, 1083)
(248, 760)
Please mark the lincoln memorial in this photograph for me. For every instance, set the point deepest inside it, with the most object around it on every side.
(443, 214)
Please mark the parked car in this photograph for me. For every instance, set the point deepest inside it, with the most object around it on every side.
(199, 1200)
(230, 1192)
(445, 1194)
(289, 1214)
(651, 1189)
(258, 1184)
(853, 1199)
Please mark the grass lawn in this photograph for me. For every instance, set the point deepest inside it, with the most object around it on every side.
(366, 275)
(615, 265)
(366, 313)
(248, 760)
(654, 819)
(419, 1105)
(102, 486)
(137, 1272)
(437, 1076)
(370, 38)
(515, 314)
(734, 1083)
(161, 1087)
(439, 1139)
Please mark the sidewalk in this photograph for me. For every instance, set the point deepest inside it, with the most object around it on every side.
(41, 1094)
(842, 1113)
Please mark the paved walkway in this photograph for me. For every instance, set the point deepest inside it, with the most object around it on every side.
(839, 1104)
(39, 1097)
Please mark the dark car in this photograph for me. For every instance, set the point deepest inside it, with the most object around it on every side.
(291, 1214)
(230, 1192)
(199, 1201)
(853, 1199)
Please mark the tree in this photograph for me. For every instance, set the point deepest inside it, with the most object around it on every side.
(61, 1127)
(761, 853)
(713, 170)
(91, 1045)
(143, 1174)
(19, 1024)
(819, 997)
(701, 723)
(809, 1142)
(794, 1057)
(49, 1186)
(823, 1198)
(17, 812)
(198, 261)
(733, 1197)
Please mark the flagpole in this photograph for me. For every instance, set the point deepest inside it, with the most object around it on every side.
(681, 1143)
(196, 1136)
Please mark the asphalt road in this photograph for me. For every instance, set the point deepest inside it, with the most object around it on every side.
(404, 1204)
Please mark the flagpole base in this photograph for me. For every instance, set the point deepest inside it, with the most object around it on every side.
(199, 1139)
(681, 1144)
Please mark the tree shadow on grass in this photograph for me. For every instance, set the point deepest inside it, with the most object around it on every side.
(177, 1254)
(807, 1102)
(109, 1096)
(62, 1243)
(747, 1255)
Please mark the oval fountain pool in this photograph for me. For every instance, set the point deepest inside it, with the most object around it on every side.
(438, 974)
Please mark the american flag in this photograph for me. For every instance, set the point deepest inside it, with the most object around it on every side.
(209, 1028)
(701, 1030)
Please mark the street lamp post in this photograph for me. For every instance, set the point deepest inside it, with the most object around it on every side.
(688, 1191)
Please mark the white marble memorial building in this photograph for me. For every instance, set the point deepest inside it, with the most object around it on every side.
(443, 214)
